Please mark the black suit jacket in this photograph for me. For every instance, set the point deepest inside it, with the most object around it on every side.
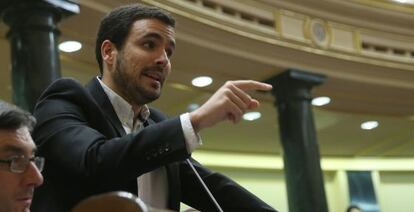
(87, 152)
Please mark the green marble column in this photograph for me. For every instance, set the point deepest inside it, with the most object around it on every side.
(33, 40)
(304, 178)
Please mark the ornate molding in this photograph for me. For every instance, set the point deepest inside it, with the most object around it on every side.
(298, 31)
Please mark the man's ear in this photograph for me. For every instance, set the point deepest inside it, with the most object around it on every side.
(108, 53)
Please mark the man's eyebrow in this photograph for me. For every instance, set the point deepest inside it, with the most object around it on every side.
(12, 149)
(159, 37)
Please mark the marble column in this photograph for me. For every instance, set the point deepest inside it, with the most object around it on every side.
(33, 40)
(304, 177)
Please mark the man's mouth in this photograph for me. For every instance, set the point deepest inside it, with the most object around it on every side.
(26, 201)
(154, 75)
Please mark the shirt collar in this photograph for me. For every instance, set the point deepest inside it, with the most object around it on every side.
(123, 109)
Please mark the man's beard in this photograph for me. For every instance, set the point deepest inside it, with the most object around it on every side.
(133, 92)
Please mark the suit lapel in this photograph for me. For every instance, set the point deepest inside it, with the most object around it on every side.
(101, 98)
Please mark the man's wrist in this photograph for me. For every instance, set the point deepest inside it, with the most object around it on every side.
(194, 118)
(192, 138)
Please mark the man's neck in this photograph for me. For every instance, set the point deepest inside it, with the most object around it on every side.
(112, 85)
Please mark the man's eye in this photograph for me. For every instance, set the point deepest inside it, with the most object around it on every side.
(149, 44)
(169, 52)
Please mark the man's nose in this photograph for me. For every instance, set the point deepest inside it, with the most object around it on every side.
(163, 59)
(33, 176)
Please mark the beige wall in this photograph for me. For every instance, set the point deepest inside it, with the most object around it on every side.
(395, 190)
(393, 179)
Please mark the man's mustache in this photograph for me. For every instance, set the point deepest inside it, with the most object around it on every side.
(157, 67)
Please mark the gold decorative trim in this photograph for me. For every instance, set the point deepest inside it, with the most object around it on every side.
(286, 15)
(319, 32)
(357, 41)
(278, 22)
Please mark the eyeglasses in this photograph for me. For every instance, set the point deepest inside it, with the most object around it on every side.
(19, 164)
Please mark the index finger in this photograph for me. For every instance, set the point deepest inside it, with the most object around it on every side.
(248, 85)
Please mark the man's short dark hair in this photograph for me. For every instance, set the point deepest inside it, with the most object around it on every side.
(115, 26)
(12, 117)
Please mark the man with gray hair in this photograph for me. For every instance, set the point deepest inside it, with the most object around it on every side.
(19, 168)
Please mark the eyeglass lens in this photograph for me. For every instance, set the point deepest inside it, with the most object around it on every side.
(19, 165)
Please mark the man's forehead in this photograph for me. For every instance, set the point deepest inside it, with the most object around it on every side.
(151, 25)
(16, 140)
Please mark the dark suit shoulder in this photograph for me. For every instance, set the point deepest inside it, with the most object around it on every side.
(63, 96)
(65, 99)
(65, 88)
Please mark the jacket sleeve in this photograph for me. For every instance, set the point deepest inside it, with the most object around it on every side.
(229, 195)
(73, 135)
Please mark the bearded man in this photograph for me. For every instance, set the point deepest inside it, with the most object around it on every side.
(103, 137)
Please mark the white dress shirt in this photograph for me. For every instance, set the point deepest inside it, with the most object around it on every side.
(153, 186)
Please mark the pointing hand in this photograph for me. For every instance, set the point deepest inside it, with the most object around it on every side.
(229, 102)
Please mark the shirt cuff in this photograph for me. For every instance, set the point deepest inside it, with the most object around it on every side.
(192, 139)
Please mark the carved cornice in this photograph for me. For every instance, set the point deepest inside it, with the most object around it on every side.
(299, 31)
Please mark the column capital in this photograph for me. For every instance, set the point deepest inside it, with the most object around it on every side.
(16, 11)
(297, 76)
(294, 84)
(67, 7)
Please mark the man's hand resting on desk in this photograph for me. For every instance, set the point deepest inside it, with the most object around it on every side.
(229, 102)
